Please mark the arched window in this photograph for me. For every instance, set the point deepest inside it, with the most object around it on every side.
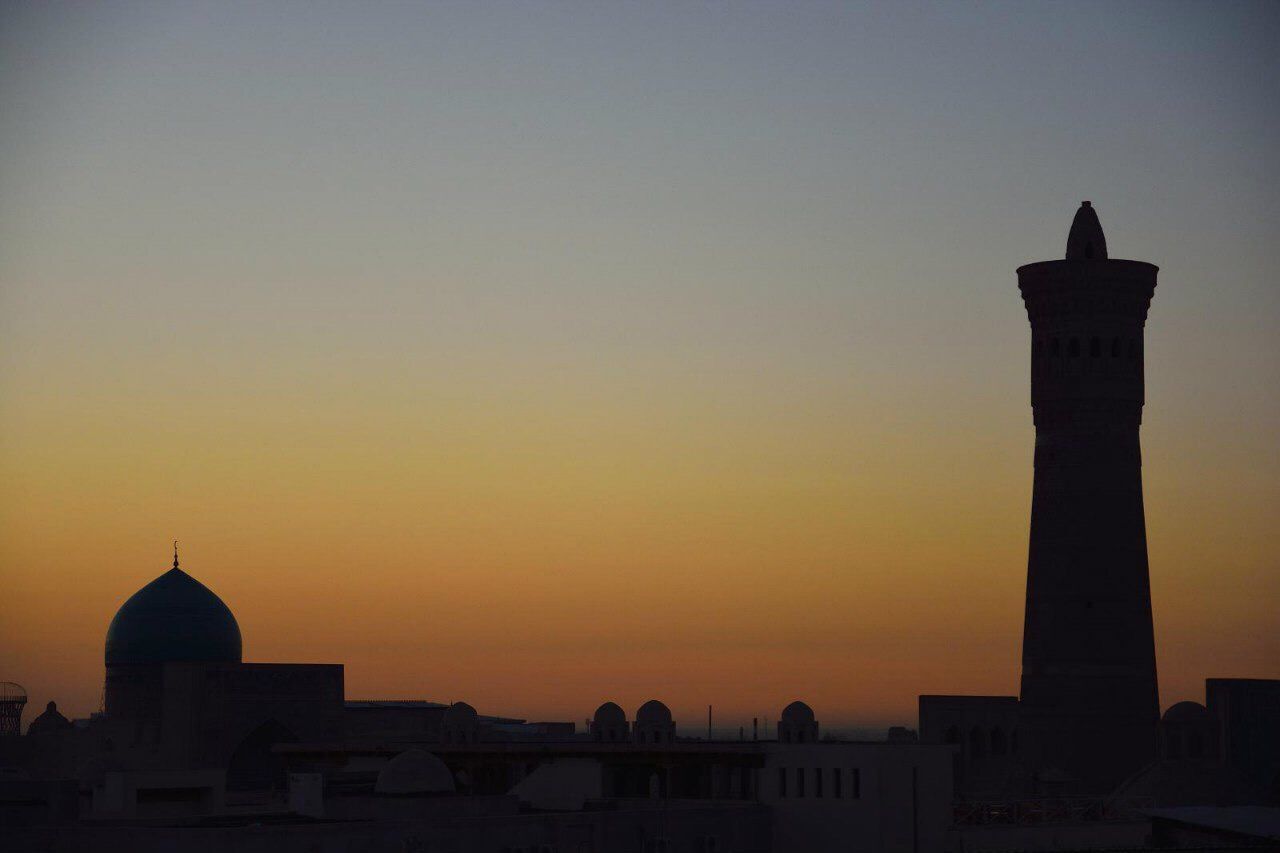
(977, 743)
(254, 766)
(998, 746)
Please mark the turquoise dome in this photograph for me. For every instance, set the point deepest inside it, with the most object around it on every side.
(173, 618)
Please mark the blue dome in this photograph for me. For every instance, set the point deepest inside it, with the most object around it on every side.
(173, 618)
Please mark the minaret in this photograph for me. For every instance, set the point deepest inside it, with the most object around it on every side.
(1089, 705)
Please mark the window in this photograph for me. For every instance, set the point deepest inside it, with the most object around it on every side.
(855, 783)
(817, 781)
(1095, 347)
(837, 778)
(1073, 348)
(1115, 347)
(799, 781)
(782, 782)
(977, 743)
(997, 742)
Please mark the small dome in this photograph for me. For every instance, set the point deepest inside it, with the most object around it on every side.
(49, 721)
(653, 713)
(460, 714)
(414, 771)
(1186, 712)
(797, 713)
(609, 714)
(173, 618)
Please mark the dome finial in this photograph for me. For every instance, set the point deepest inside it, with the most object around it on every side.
(1086, 240)
(175, 553)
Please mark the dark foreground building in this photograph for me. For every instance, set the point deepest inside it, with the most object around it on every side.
(196, 749)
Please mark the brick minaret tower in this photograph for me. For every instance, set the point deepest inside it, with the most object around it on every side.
(1089, 705)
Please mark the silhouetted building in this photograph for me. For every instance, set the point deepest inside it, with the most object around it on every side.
(1089, 704)
(461, 724)
(609, 725)
(653, 724)
(984, 731)
(797, 724)
(1246, 714)
(50, 721)
(177, 695)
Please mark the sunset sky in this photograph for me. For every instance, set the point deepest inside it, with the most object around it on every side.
(539, 354)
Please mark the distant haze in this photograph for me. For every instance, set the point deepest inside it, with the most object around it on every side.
(540, 354)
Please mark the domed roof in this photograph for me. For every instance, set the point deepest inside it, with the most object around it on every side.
(653, 712)
(797, 712)
(414, 771)
(49, 721)
(173, 618)
(1186, 712)
(460, 713)
(608, 714)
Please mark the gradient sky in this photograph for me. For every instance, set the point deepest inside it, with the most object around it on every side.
(538, 354)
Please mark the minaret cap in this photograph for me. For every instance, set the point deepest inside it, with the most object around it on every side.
(175, 553)
(1086, 240)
